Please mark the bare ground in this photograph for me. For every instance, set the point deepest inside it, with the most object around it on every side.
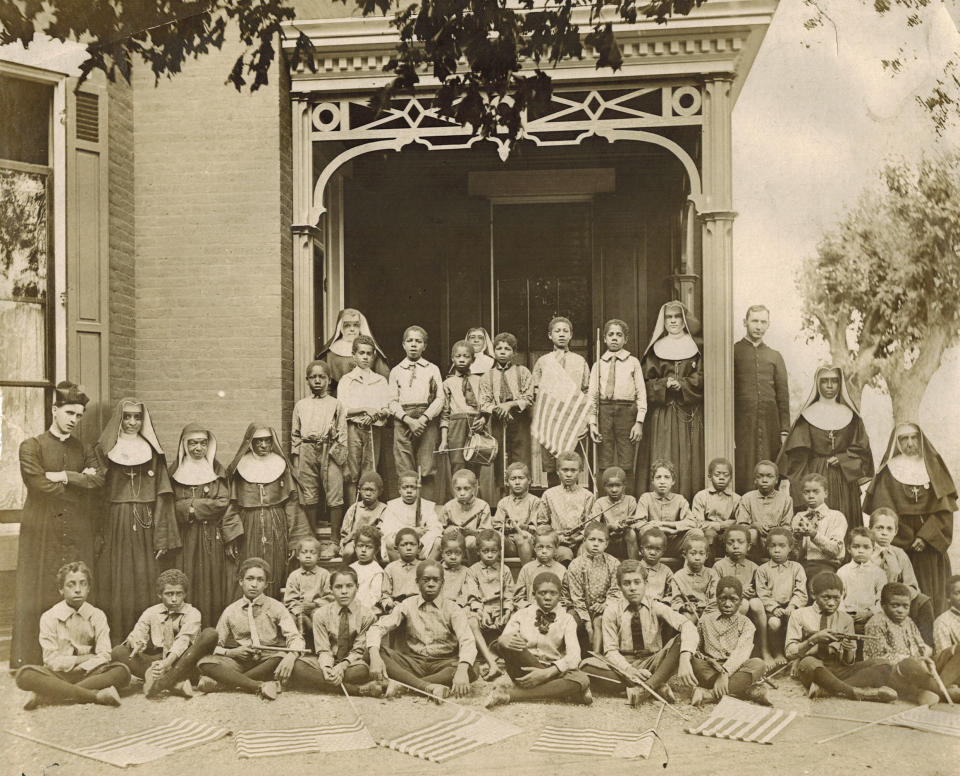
(880, 749)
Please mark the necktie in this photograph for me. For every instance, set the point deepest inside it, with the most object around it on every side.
(169, 633)
(413, 373)
(254, 636)
(343, 635)
(544, 620)
(562, 359)
(611, 377)
(468, 395)
(505, 393)
(822, 650)
(636, 629)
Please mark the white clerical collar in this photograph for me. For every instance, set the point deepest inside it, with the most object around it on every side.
(909, 470)
(261, 469)
(58, 435)
(756, 344)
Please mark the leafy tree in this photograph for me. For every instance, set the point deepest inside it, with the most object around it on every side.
(475, 48)
(883, 289)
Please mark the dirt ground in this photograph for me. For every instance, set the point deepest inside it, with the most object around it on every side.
(880, 749)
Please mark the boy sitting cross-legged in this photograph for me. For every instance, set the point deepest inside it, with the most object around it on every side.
(248, 630)
(723, 665)
(164, 646)
(632, 641)
(75, 640)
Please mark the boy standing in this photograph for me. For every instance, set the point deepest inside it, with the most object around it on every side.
(506, 395)
(416, 402)
(618, 401)
(365, 396)
(75, 640)
(164, 646)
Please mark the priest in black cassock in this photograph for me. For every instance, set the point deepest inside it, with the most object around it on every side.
(761, 398)
(57, 525)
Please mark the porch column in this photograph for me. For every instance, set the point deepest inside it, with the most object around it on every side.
(304, 236)
(717, 225)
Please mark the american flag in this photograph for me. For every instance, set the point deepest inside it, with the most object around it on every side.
(594, 743)
(740, 721)
(559, 421)
(154, 743)
(462, 733)
(324, 738)
(931, 720)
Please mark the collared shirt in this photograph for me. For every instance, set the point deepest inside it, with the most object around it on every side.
(400, 579)
(559, 646)
(615, 514)
(171, 633)
(305, 586)
(491, 587)
(897, 566)
(455, 399)
(806, 621)
(358, 516)
(628, 385)
(745, 570)
(590, 583)
(671, 508)
(523, 590)
(326, 629)
(618, 634)
(475, 516)
(318, 418)
(398, 515)
(765, 512)
(700, 588)
(459, 585)
(781, 584)
(521, 513)
(519, 384)
(862, 583)
(571, 363)
(416, 382)
(360, 389)
(434, 629)
(274, 624)
(892, 641)
(714, 506)
(369, 583)
(946, 630)
(660, 584)
(728, 640)
(73, 638)
(827, 543)
(565, 509)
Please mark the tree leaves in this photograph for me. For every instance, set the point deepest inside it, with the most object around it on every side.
(884, 287)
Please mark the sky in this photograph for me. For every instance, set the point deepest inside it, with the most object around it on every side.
(815, 122)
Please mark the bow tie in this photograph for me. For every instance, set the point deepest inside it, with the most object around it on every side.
(544, 620)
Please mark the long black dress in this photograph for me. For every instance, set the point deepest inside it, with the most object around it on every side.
(57, 527)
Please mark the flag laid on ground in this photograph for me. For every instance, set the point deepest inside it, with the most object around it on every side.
(324, 738)
(740, 721)
(594, 743)
(462, 733)
(560, 412)
(931, 720)
(154, 743)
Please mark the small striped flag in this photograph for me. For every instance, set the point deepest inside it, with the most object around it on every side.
(558, 422)
(462, 733)
(740, 721)
(324, 738)
(154, 743)
(931, 720)
(594, 743)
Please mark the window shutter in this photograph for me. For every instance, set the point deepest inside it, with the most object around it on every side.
(88, 250)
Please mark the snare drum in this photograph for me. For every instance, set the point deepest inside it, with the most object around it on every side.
(481, 449)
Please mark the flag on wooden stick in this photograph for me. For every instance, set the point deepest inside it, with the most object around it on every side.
(462, 733)
(594, 743)
(560, 412)
(322, 738)
(740, 721)
(931, 720)
(153, 743)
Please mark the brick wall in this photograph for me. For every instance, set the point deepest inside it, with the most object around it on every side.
(122, 306)
(214, 276)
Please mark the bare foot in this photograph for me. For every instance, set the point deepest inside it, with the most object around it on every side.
(438, 691)
(492, 672)
(768, 660)
(779, 659)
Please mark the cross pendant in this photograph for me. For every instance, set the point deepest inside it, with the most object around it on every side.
(916, 493)
(832, 437)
